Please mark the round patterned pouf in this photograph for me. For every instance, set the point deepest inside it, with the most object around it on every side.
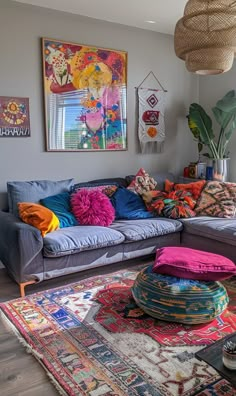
(179, 300)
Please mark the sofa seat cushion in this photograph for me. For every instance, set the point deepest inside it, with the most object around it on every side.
(137, 230)
(220, 229)
(79, 238)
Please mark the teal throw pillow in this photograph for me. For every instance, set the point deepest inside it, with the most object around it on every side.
(60, 205)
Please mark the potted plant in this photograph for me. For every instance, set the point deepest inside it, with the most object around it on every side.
(200, 125)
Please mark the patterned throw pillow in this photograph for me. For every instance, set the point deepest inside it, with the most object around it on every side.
(142, 182)
(107, 189)
(218, 199)
(174, 205)
(195, 188)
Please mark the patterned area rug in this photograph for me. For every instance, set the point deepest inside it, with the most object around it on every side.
(93, 340)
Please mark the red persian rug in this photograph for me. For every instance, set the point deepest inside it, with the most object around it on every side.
(93, 340)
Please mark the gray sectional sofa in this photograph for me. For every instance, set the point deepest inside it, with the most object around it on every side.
(211, 234)
(29, 258)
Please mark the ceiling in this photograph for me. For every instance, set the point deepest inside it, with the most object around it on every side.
(164, 13)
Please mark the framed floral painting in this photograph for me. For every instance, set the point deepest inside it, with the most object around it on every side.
(14, 117)
(85, 97)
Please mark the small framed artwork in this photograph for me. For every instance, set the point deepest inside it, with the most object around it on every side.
(14, 117)
(85, 97)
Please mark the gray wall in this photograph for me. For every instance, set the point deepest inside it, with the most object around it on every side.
(21, 28)
(211, 89)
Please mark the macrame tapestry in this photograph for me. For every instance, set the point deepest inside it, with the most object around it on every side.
(151, 125)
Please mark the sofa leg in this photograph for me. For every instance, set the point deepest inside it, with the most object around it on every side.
(23, 285)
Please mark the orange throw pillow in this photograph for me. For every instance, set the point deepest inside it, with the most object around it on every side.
(169, 186)
(38, 216)
(195, 188)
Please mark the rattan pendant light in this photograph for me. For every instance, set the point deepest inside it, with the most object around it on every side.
(206, 36)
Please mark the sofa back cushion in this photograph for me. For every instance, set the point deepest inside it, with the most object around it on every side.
(119, 181)
(33, 191)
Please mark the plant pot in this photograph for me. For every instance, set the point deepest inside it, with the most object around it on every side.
(220, 169)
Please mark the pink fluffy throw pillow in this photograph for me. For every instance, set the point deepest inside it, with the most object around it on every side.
(92, 207)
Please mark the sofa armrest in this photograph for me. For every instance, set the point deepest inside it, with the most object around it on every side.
(20, 248)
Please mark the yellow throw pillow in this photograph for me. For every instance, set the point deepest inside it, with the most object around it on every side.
(38, 216)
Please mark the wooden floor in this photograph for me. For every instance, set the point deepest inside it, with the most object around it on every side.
(20, 372)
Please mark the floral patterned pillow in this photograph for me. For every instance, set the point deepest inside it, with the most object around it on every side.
(107, 189)
(218, 199)
(142, 182)
(174, 204)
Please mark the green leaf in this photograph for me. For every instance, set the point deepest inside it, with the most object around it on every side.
(227, 136)
(200, 125)
(221, 117)
(225, 114)
(225, 109)
(230, 94)
(228, 102)
(200, 147)
(199, 119)
(230, 131)
(195, 131)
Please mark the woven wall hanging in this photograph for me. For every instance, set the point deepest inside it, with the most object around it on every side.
(151, 125)
(206, 36)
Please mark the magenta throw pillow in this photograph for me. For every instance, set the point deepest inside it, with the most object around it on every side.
(193, 264)
(92, 207)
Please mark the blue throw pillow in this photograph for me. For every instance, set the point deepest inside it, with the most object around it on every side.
(60, 205)
(129, 205)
